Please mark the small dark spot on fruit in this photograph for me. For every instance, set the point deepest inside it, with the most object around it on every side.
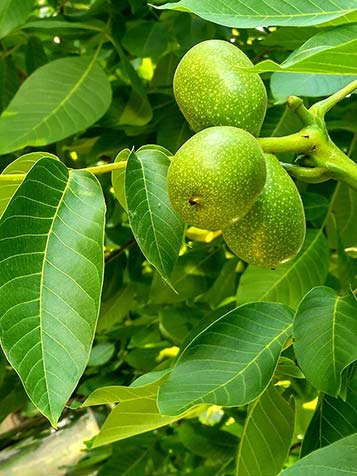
(313, 148)
(306, 137)
(192, 201)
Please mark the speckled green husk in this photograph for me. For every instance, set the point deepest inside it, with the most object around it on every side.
(273, 230)
(211, 90)
(216, 176)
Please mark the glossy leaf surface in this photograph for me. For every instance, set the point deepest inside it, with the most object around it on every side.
(80, 94)
(240, 14)
(51, 269)
(155, 225)
(338, 459)
(231, 361)
(325, 336)
(266, 436)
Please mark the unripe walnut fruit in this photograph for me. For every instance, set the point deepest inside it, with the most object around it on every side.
(216, 176)
(273, 230)
(212, 90)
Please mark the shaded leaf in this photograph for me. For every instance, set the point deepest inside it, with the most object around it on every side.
(333, 419)
(12, 14)
(147, 38)
(266, 436)
(35, 54)
(325, 333)
(290, 282)
(338, 459)
(9, 81)
(51, 273)
(231, 361)
(80, 94)
(155, 225)
(209, 442)
(345, 211)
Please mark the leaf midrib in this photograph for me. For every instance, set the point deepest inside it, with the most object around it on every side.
(153, 225)
(45, 253)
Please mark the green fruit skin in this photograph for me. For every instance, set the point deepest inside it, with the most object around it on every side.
(211, 90)
(273, 230)
(216, 176)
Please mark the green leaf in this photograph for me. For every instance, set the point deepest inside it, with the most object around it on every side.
(266, 437)
(118, 178)
(315, 205)
(127, 461)
(51, 271)
(333, 419)
(329, 52)
(80, 94)
(62, 27)
(344, 209)
(210, 443)
(136, 413)
(19, 166)
(35, 54)
(12, 14)
(287, 367)
(240, 14)
(314, 85)
(155, 225)
(146, 39)
(290, 282)
(101, 353)
(325, 333)
(9, 81)
(338, 459)
(231, 361)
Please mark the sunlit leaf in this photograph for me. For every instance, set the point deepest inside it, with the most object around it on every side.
(51, 270)
(39, 114)
(231, 361)
(266, 436)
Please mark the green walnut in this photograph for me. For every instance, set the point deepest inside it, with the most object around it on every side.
(212, 90)
(216, 176)
(273, 230)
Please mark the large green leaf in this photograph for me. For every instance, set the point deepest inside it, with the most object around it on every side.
(338, 459)
(333, 419)
(155, 225)
(231, 361)
(312, 85)
(329, 52)
(19, 166)
(290, 282)
(266, 436)
(12, 14)
(325, 333)
(51, 270)
(136, 413)
(59, 99)
(242, 14)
